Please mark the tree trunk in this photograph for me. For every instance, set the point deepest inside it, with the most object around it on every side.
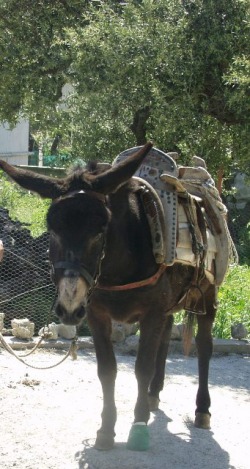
(54, 146)
(220, 175)
(139, 125)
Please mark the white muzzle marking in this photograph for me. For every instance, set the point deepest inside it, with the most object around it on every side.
(72, 293)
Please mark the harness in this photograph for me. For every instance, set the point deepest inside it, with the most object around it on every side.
(74, 267)
(141, 283)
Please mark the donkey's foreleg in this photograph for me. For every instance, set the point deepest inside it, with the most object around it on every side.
(157, 382)
(107, 370)
(150, 335)
(204, 344)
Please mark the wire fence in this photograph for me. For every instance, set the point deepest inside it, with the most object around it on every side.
(26, 290)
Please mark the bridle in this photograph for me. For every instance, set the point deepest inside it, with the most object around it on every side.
(71, 265)
(75, 267)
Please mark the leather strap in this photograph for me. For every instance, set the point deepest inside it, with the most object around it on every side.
(139, 284)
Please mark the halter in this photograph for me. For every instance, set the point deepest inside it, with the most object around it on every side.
(70, 265)
(76, 267)
(80, 269)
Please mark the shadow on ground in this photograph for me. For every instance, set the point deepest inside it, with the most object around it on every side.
(219, 375)
(194, 448)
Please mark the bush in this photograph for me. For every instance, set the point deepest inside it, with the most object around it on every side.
(28, 208)
(234, 301)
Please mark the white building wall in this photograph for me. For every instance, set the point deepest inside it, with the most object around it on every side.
(14, 143)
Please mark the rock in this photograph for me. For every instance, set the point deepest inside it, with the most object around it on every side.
(58, 330)
(6, 332)
(176, 333)
(131, 329)
(22, 328)
(118, 332)
(66, 332)
(239, 331)
(131, 344)
(50, 331)
(121, 330)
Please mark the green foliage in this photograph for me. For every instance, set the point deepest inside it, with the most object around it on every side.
(174, 72)
(24, 206)
(35, 53)
(234, 302)
(56, 161)
(243, 247)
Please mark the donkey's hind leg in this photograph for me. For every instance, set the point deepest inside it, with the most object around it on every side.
(157, 382)
(204, 344)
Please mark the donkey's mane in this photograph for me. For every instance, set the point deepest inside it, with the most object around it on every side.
(92, 167)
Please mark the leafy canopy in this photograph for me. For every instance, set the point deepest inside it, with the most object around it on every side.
(173, 71)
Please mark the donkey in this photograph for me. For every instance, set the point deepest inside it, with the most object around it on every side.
(103, 267)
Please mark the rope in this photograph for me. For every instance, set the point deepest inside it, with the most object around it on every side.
(25, 293)
(33, 349)
(25, 260)
(72, 351)
(46, 334)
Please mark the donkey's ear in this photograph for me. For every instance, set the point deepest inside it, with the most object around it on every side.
(45, 186)
(112, 179)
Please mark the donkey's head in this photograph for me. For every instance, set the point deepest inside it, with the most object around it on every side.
(77, 221)
(77, 224)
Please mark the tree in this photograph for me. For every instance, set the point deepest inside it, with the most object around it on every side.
(35, 55)
(174, 72)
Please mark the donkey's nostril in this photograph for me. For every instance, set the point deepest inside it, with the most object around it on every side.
(80, 313)
(70, 318)
(59, 311)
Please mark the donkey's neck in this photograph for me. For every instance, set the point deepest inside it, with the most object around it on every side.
(128, 253)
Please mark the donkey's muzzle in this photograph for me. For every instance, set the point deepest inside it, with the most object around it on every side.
(73, 318)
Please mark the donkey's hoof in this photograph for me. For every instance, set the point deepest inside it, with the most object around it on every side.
(138, 439)
(104, 441)
(202, 420)
(153, 403)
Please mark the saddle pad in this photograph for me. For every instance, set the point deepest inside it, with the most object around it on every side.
(155, 164)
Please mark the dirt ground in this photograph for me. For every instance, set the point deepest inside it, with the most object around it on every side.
(49, 418)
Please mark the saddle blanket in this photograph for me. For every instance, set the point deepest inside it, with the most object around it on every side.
(185, 213)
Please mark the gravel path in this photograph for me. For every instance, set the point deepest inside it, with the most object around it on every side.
(49, 418)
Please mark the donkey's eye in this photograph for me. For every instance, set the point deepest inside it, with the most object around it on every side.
(94, 241)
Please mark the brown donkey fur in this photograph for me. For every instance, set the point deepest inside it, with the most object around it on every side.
(100, 239)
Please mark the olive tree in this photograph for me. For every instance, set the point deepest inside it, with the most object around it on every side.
(174, 72)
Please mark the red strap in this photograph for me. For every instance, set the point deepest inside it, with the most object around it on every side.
(141, 283)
